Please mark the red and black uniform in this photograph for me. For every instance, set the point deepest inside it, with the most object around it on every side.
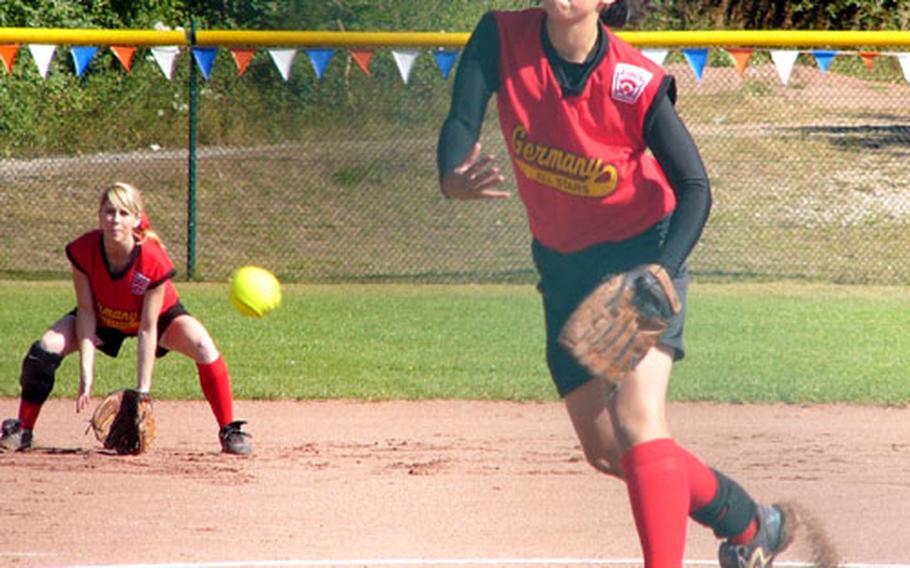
(118, 296)
(578, 136)
(598, 203)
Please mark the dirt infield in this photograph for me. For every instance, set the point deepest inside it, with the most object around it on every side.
(439, 481)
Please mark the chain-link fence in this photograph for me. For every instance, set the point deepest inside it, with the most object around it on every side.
(334, 178)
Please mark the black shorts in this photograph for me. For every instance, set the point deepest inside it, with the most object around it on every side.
(112, 339)
(567, 279)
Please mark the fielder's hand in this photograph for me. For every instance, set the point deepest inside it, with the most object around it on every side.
(84, 398)
(125, 422)
(474, 178)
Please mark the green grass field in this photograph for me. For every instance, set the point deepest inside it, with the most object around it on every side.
(747, 342)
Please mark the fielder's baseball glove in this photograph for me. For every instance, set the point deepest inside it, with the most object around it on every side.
(124, 422)
(615, 326)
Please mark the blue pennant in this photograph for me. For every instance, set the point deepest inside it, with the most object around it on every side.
(823, 58)
(82, 56)
(445, 59)
(320, 58)
(205, 59)
(697, 59)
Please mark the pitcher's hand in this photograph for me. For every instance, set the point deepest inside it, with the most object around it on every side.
(474, 178)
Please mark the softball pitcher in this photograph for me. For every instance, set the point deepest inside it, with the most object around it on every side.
(580, 110)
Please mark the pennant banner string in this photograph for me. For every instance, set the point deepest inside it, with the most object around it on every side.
(784, 60)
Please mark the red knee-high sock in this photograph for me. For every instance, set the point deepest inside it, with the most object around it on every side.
(702, 482)
(216, 386)
(28, 413)
(659, 495)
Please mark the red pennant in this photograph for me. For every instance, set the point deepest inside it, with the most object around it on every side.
(362, 57)
(8, 55)
(868, 57)
(741, 56)
(124, 55)
(242, 58)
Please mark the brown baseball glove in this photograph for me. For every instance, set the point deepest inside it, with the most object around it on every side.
(124, 422)
(614, 327)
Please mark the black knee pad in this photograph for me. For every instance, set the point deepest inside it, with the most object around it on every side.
(38, 369)
(731, 510)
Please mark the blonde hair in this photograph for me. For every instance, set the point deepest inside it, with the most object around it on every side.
(127, 196)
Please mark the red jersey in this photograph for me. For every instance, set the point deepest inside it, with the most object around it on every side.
(118, 297)
(581, 162)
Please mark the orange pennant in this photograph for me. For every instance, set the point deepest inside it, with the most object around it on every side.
(124, 55)
(868, 57)
(8, 55)
(741, 56)
(242, 58)
(362, 58)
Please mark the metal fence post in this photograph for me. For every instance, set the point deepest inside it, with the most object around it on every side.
(191, 163)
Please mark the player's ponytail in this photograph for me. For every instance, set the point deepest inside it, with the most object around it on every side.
(624, 13)
(144, 230)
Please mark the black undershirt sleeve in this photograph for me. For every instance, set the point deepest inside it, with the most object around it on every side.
(476, 79)
(675, 151)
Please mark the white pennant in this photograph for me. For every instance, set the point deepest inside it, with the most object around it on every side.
(165, 57)
(904, 60)
(405, 59)
(656, 55)
(42, 54)
(783, 62)
(283, 59)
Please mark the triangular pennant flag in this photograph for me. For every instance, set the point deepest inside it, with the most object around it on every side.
(82, 56)
(42, 54)
(445, 60)
(741, 57)
(868, 57)
(319, 59)
(405, 59)
(124, 54)
(283, 58)
(205, 59)
(783, 62)
(656, 55)
(823, 58)
(904, 60)
(8, 55)
(362, 57)
(697, 58)
(242, 58)
(164, 57)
